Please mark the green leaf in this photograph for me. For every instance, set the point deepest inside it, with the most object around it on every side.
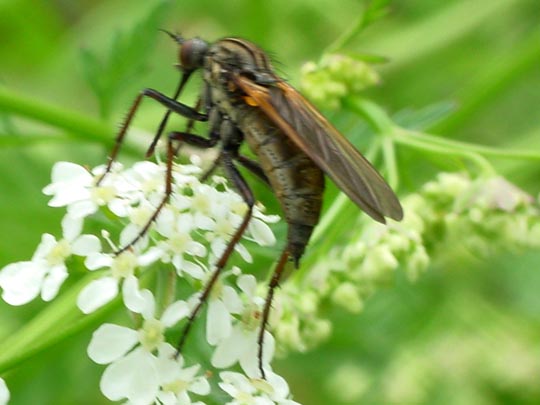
(366, 57)
(125, 61)
(375, 10)
(425, 117)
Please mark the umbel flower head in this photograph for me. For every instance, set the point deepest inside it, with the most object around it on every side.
(187, 238)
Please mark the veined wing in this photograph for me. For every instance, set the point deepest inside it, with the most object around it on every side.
(326, 146)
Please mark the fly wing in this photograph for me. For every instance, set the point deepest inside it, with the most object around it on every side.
(328, 148)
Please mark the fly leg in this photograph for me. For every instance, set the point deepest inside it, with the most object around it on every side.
(191, 139)
(242, 187)
(189, 125)
(165, 119)
(173, 105)
(274, 283)
(253, 167)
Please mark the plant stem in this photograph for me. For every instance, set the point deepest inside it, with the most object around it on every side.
(375, 116)
(73, 122)
(76, 125)
(484, 166)
(471, 147)
(389, 154)
(7, 141)
(347, 36)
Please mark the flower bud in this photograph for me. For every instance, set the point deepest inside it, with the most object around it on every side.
(347, 297)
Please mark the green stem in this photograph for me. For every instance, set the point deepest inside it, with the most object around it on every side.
(375, 116)
(381, 122)
(76, 125)
(346, 36)
(7, 141)
(389, 154)
(73, 122)
(484, 166)
(471, 147)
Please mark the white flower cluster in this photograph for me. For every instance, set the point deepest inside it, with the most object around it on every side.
(482, 215)
(189, 235)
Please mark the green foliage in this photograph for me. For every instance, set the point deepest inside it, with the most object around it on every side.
(126, 59)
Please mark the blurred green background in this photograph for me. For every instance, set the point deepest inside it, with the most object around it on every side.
(468, 332)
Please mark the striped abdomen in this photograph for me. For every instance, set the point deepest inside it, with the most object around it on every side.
(297, 182)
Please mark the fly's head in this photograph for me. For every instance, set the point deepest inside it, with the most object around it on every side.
(191, 53)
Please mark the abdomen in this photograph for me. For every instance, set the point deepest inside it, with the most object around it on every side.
(295, 179)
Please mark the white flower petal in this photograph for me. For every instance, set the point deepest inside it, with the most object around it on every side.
(218, 247)
(218, 322)
(150, 256)
(110, 342)
(48, 242)
(22, 281)
(97, 293)
(139, 301)
(196, 249)
(204, 222)
(81, 209)
(98, 260)
(193, 269)
(68, 196)
(133, 377)
(269, 219)
(261, 232)
(71, 227)
(249, 358)
(128, 235)
(280, 386)
(182, 398)
(53, 281)
(165, 223)
(244, 253)
(229, 389)
(119, 207)
(85, 244)
(167, 366)
(230, 349)
(248, 284)
(200, 386)
(174, 313)
(235, 382)
(167, 398)
(178, 263)
(232, 301)
(4, 393)
(63, 172)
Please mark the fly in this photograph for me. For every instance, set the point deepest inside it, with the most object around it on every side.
(243, 100)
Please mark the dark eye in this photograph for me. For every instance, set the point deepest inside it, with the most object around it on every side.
(192, 53)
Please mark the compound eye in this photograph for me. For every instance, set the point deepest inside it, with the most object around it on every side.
(192, 53)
